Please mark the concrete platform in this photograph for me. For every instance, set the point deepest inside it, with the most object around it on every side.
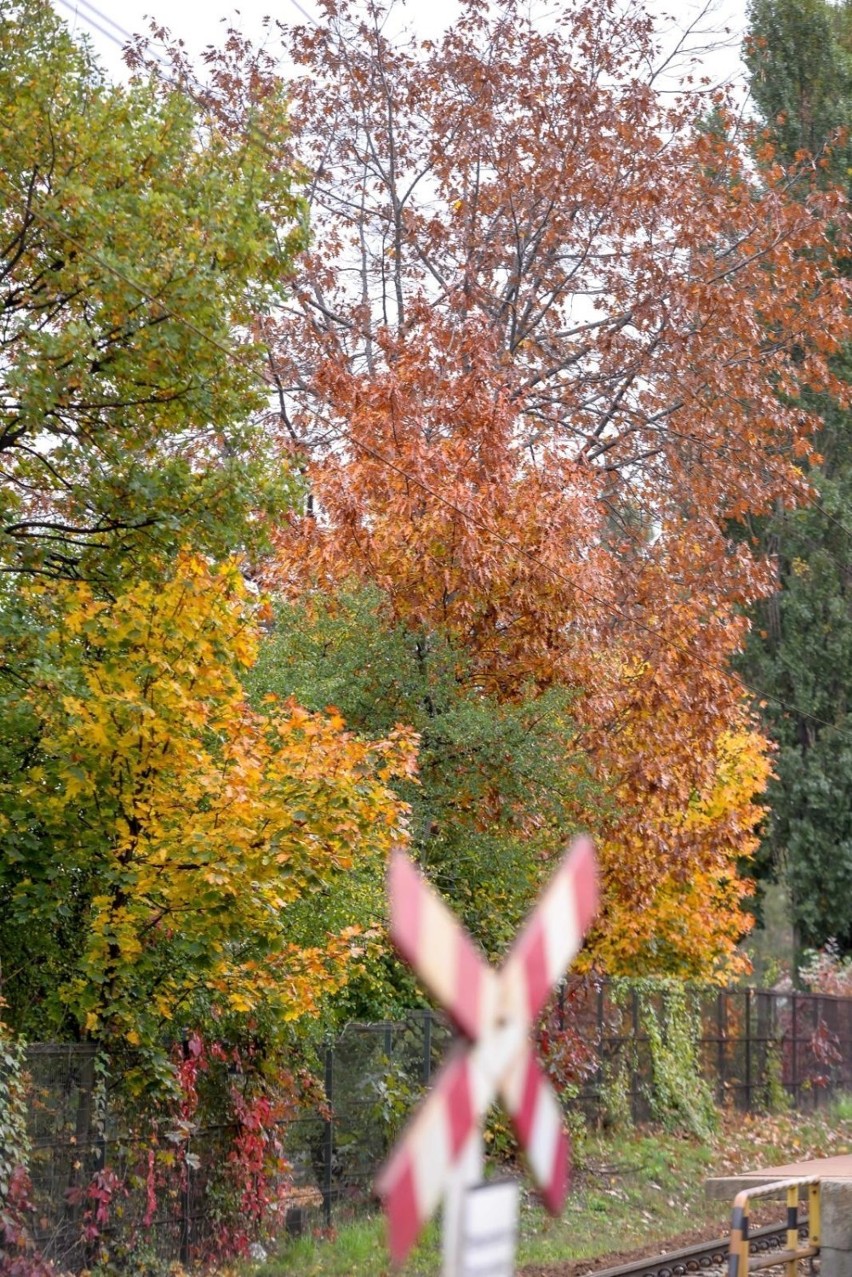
(726, 1187)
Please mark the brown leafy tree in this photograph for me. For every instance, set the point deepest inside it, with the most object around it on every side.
(548, 342)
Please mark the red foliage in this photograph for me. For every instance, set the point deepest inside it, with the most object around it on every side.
(19, 1255)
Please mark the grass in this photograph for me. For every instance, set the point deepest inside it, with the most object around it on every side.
(632, 1189)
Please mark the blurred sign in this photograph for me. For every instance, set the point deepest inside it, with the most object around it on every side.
(439, 1153)
(489, 1230)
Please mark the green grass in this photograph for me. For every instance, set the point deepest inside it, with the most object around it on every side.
(843, 1108)
(632, 1189)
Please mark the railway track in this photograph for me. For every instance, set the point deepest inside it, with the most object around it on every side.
(706, 1257)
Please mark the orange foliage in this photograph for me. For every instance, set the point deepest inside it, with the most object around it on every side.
(532, 368)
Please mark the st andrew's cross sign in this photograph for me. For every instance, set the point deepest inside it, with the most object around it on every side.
(494, 1010)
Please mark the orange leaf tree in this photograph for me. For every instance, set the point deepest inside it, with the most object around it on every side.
(532, 367)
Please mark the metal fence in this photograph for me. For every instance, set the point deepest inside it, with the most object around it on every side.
(754, 1047)
(83, 1154)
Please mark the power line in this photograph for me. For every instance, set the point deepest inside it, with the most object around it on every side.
(436, 495)
(191, 86)
(383, 460)
(253, 132)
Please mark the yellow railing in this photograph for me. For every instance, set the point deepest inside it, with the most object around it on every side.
(740, 1263)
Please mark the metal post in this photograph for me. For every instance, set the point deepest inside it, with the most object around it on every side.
(186, 1211)
(634, 1072)
(599, 1078)
(794, 1030)
(792, 1228)
(426, 1070)
(465, 1174)
(186, 1195)
(748, 1050)
(720, 1044)
(328, 1136)
(820, 1093)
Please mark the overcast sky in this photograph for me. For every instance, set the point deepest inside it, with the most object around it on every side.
(200, 22)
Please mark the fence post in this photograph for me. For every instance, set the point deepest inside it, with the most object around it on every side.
(186, 1210)
(601, 1051)
(794, 1032)
(328, 1136)
(748, 1104)
(81, 1166)
(721, 1021)
(426, 1069)
(186, 1193)
(634, 1072)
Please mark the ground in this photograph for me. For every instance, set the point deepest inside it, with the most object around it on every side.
(635, 1193)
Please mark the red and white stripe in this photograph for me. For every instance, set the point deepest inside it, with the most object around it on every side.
(495, 1011)
(554, 931)
(431, 939)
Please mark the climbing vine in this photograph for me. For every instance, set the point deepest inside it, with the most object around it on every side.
(667, 1015)
(18, 1253)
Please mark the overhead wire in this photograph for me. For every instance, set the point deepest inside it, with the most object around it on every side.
(198, 94)
(436, 495)
(388, 463)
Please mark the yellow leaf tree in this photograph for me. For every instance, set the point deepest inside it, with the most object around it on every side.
(182, 828)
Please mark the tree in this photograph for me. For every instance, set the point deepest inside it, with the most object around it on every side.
(801, 646)
(531, 368)
(138, 239)
(801, 78)
(167, 831)
(499, 781)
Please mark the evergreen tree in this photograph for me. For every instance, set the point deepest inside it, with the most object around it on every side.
(800, 650)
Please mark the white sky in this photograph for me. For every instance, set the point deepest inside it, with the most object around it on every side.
(202, 22)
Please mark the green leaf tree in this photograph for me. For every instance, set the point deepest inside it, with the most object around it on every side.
(500, 782)
(139, 239)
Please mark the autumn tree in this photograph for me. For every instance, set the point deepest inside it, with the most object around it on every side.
(499, 780)
(161, 835)
(137, 239)
(800, 59)
(532, 362)
(531, 368)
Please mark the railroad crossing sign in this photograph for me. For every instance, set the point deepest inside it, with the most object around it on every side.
(494, 1009)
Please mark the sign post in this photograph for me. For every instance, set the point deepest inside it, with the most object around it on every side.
(440, 1151)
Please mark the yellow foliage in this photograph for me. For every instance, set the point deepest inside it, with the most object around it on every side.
(690, 915)
(197, 819)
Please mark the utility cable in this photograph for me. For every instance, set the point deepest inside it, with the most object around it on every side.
(268, 145)
(388, 463)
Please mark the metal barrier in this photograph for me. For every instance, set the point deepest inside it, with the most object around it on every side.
(740, 1264)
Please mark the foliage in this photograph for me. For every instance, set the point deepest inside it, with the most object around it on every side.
(177, 825)
(669, 1014)
(680, 1097)
(139, 239)
(797, 52)
(827, 971)
(214, 1148)
(776, 1098)
(531, 442)
(498, 781)
(800, 649)
(14, 1143)
(18, 1254)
